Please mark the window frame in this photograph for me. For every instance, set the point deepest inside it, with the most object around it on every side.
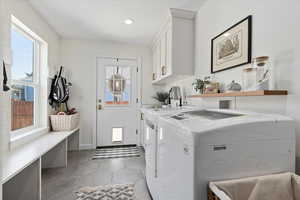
(35, 83)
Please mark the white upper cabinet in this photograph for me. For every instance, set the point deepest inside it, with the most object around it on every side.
(169, 51)
(154, 69)
(173, 48)
(163, 53)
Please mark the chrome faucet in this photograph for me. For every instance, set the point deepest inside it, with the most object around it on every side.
(175, 94)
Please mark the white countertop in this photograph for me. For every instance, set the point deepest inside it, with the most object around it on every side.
(165, 111)
(18, 159)
(199, 124)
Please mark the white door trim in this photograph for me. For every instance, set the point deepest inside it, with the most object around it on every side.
(139, 94)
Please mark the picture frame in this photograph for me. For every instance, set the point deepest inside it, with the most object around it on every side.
(233, 47)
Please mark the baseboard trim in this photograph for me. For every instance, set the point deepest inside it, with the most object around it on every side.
(86, 146)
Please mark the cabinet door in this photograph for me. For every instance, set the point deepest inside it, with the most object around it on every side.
(158, 60)
(151, 160)
(169, 51)
(163, 53)
(154, 69)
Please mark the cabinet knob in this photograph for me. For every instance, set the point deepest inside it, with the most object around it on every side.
(186, 150)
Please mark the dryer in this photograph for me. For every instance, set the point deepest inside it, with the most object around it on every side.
(199, 146)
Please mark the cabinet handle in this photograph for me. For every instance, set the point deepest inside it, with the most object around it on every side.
(220, 147)
(186, 149)
(153, 76)
(163, 70)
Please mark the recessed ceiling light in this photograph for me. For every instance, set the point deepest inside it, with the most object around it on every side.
(128, 21)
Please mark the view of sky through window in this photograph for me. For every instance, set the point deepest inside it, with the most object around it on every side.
(23, 55)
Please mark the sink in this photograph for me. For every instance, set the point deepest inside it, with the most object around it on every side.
(211, 115)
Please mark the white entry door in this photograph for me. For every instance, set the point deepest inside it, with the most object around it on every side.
(117, 101)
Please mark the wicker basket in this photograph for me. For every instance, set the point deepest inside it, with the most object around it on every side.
(64, 122)
(264, 185)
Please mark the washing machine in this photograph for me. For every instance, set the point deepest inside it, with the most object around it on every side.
(199, 146)
(151, 138)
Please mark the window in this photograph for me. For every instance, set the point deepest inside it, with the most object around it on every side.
(25, 79)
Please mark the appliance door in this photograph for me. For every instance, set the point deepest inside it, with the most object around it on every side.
(175, 163)
(151, 157)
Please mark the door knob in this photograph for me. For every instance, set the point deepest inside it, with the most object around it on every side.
(99, 107)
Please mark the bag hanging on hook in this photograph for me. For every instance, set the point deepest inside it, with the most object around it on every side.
(60, 90)
(5, 87)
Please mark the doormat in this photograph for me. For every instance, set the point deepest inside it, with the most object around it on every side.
(117, 152)
(109, 192)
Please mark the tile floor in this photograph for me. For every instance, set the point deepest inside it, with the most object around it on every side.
(82, 171)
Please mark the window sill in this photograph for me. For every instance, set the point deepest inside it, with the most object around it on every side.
(18, 140)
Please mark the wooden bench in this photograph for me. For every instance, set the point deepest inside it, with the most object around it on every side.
(22, 166)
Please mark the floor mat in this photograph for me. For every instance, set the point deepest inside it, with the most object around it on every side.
(117, 152)
(109, 192)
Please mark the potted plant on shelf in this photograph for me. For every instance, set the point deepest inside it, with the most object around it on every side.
(199, 84)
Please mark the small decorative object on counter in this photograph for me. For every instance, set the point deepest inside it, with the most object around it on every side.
(199, 84)
(161, 97)
(233, 87)
(258, 75)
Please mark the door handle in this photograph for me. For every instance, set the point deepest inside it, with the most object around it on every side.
(99, 107)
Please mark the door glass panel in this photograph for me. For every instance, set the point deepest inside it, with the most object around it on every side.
(117, 135)
(117, 85)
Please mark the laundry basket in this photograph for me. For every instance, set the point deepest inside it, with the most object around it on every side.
(64, 122)
(284, 186)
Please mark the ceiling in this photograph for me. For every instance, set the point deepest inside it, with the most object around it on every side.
(103, 19)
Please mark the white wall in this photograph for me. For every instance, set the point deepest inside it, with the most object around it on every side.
(3, 126)
(79, 56)
(24, 12)
(276, 33)
(2, 121)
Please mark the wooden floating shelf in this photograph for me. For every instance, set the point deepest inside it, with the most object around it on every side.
(243, 94)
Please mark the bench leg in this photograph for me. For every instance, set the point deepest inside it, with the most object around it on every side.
(25, 185)
(73, 142)
(56, 157)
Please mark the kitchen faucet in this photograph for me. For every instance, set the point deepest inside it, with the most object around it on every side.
(175, 94)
